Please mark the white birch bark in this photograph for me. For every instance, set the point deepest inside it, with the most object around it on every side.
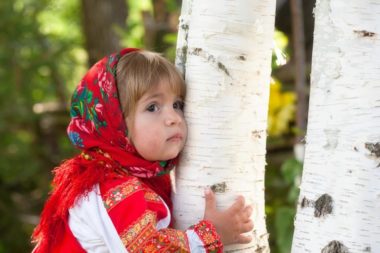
(339, 204)
(224, 49)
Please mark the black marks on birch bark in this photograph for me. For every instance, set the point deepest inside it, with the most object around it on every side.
(219, 187)
(364, 33)
(335, 247)
(257, 134)
(210, 58)
(185, 27)
(307, 203)
(367, 249)
(322, 206)
(374, 148)
(261, 249)
(242, 58)
(182, 52)
(197, 51)
(222, 67)
(184, 55)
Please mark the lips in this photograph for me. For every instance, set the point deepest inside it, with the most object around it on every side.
(176, 137)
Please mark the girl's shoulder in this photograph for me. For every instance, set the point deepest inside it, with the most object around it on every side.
(117, 189)
(122, 182)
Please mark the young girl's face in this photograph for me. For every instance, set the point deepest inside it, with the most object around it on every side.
(158, 128)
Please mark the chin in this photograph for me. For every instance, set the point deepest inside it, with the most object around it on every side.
(161, 158)
(170, 157)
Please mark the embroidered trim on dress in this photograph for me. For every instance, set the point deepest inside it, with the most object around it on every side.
(210, 238)
(117, 194)
(140, 232)
(168, 240)
(151, 196)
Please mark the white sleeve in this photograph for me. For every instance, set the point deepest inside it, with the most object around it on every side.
(195, 243)
(92, 227)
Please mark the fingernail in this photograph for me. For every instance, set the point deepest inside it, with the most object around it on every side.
(207, 190)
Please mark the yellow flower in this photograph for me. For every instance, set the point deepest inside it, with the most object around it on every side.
(281, 109)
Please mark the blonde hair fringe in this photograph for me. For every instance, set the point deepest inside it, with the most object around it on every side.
(138, 71)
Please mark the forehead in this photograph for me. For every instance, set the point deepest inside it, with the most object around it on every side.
(161, 90)
(172, 81)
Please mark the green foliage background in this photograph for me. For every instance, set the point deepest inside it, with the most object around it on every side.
(42, 55)
(40, 45)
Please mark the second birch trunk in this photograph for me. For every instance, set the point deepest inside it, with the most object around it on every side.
(339, 205)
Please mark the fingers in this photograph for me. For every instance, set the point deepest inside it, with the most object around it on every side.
(210, 199)
(238, 204)
(247, 212)
(246, 227)
(243, 239)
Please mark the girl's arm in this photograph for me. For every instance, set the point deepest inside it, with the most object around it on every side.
(141, 220)
(125, 216)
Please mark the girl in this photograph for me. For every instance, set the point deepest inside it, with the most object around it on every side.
(127, 118)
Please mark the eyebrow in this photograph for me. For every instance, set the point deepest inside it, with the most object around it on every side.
(154, 95)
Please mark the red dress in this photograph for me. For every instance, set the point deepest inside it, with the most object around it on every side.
(141, 220)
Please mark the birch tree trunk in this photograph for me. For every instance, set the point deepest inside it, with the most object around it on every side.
(339, 204)
(224, 50)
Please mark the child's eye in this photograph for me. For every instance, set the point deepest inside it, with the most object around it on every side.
(179, 105)
(152, 108)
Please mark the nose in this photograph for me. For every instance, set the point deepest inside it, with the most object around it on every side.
(172, 117)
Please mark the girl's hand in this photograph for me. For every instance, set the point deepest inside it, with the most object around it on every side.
(230, 223)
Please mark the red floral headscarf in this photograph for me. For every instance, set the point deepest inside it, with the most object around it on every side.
(97, 127)
(97, 120)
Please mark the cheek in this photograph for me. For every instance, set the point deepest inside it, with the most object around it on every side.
(143, 134)
(150, 139)
(146, 142)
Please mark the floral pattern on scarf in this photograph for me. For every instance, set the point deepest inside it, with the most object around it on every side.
(97, 120)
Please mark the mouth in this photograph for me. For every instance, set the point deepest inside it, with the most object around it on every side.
(176, 137)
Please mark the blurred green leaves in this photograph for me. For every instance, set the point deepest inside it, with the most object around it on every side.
(39, 45)
(284, 228)
(283, 176)
(283, 172)
(134, 34)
